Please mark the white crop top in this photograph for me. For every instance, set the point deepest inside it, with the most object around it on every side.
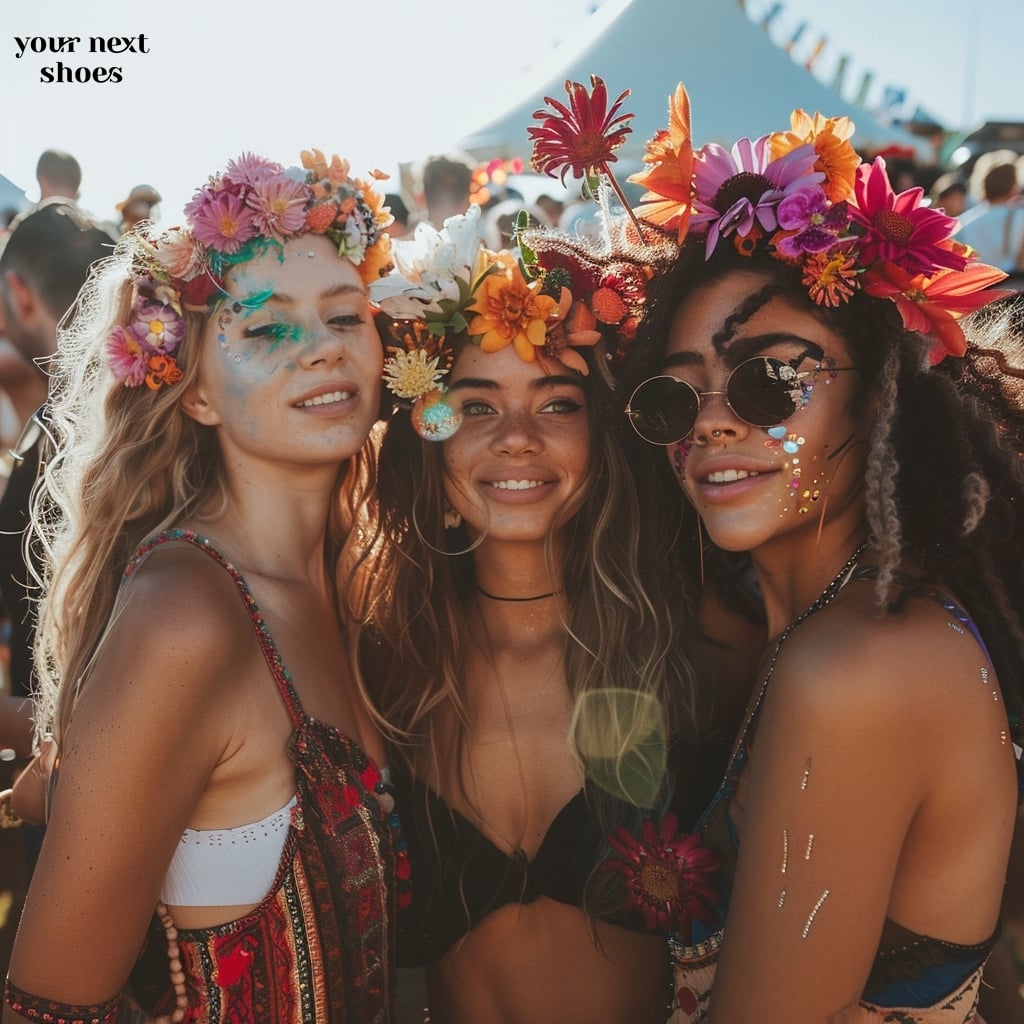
(227, 867)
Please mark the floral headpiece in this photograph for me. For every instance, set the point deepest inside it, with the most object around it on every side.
(608, 272)
(447, 282)
(806, 196)
(254, 204)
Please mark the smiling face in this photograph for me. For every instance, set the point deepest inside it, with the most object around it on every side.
(750, 484)
(516, 468)
(291, 363)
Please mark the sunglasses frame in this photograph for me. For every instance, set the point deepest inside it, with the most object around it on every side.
(821, 365)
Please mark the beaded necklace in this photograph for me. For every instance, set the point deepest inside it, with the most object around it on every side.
(826, 597)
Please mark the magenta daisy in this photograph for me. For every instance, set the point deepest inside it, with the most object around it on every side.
(126, 356)
(741, 187)
(220, 220)
(278, 205)
(897, 228)
(666, 875)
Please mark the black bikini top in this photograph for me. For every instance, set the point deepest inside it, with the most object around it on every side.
(459, 875)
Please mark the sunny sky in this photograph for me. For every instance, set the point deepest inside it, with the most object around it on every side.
(216, 78)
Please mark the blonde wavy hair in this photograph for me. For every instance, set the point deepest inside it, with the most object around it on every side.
(127, 463)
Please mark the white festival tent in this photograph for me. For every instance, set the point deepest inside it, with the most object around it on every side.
(740, 83)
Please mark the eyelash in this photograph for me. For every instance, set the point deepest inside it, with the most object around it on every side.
(276, 331)
(347, 320)
(279, 331)
(556, 406)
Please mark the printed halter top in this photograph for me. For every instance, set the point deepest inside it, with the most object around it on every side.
(318, 948)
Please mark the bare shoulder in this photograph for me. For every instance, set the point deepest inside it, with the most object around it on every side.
(914, 668)
(180, 623)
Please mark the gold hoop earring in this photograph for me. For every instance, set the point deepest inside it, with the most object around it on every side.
(441, 551)
(452, 518)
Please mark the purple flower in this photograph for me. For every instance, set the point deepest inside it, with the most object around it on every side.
(278, 205)
(740, 187)
(249, 169)
(126, 357)
(817, 223)
(157, 326)
(220, 220)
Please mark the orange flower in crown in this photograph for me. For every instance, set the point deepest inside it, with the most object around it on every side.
(509, 310)
(830, 136)
(447, 283)
(805, 197)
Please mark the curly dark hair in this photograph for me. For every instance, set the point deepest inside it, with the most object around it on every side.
(944, 482)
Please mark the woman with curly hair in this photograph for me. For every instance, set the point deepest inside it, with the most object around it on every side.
(825, 407)
(211, 406)
(521, 651)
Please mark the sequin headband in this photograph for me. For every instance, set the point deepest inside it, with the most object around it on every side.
(254, 204)
(803, 194)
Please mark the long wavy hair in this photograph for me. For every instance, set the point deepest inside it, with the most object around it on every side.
(944, 480)
(127, 464)
(629, 627)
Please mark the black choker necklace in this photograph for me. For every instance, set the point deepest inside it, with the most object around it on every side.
(536, 597)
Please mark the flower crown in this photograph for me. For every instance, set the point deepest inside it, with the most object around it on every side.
(804, 195)
(254, 204)
(446, 283)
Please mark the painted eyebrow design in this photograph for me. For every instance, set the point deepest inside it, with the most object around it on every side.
(331, 293)
(484, 384)
(741, 349)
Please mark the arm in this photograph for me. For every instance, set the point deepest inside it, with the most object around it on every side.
(151, 725)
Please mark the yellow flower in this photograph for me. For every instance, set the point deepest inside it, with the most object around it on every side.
(836, 156)
(411, 374)
(511, 312)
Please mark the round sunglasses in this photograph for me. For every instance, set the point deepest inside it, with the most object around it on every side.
(762, 391)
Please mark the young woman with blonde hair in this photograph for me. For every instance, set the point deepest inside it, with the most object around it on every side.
(210, 410)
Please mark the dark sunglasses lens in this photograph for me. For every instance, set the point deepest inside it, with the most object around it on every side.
(663, 410)
(764, 391)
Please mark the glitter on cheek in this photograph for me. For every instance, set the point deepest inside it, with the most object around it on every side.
(680, 455)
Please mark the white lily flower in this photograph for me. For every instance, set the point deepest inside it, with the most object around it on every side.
(428, 268)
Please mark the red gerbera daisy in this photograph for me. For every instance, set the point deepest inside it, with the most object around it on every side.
(666, 875)
(581, 139)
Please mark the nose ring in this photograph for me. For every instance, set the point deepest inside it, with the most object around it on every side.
(716, 433)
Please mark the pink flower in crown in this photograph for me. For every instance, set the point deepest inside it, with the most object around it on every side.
(158, 326)
(249, 169)
(278, 205)
(812, 222)
(897, 229)
(178, 254)
(220, 220)
(126, 357)
(739, 188)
